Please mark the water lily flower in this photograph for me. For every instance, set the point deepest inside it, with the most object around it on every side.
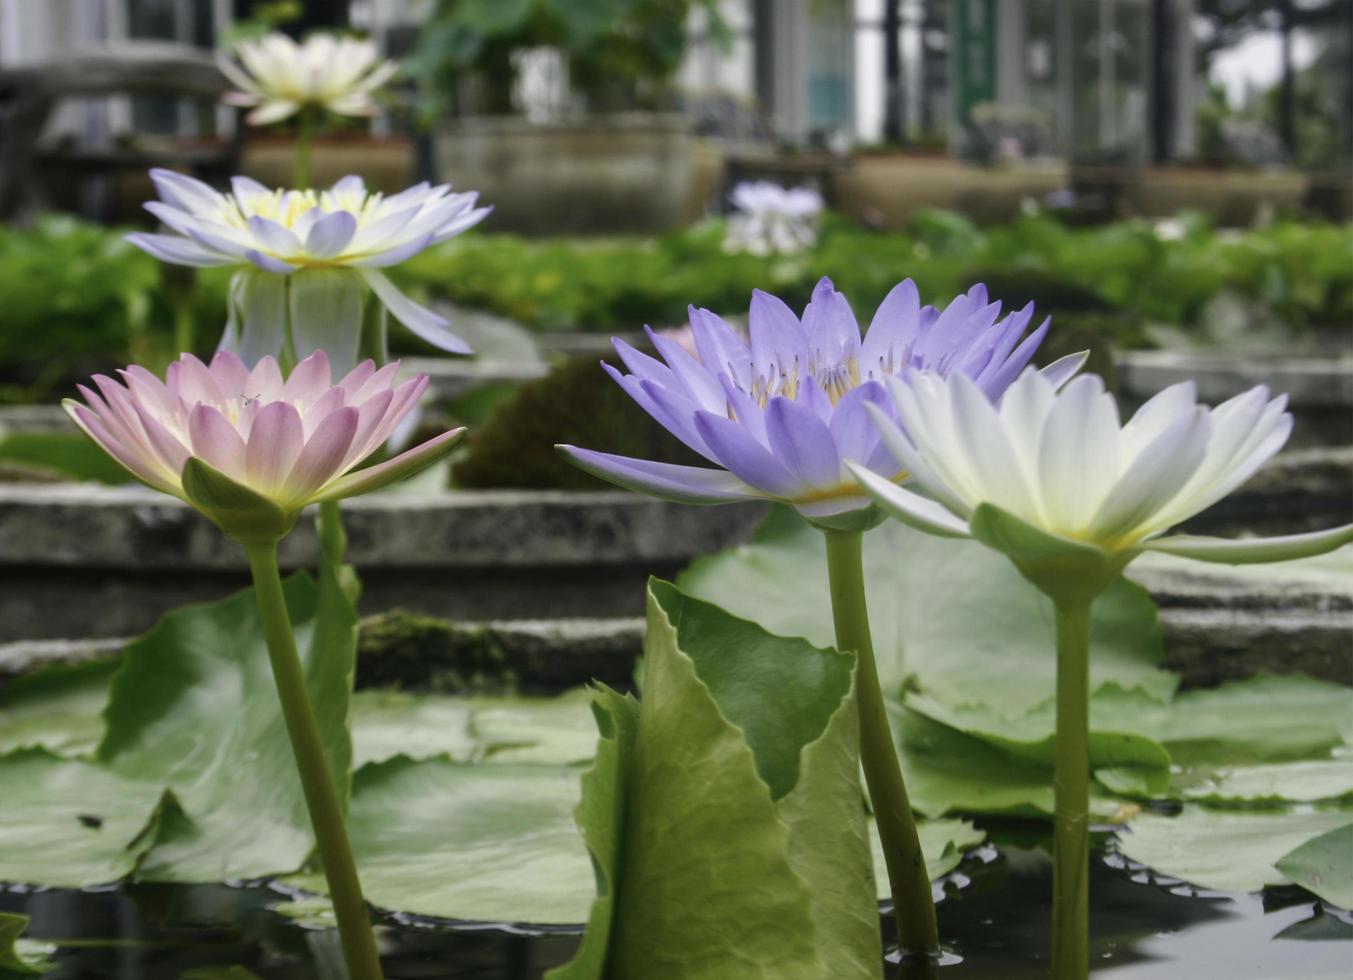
(309, 259)
(781, 414)
(250, 448)
(1054, 481)
(280, 78)
(771, 218)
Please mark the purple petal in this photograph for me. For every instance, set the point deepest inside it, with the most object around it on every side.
(777, 337)
(273, 236)
(422, 321)
(330, 234)
(177, 251)
(721, 349)
(683, 484)
(803, 443)
(895, 325)
(269, 264)
(736, 450)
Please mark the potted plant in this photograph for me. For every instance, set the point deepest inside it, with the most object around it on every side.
(606, 156)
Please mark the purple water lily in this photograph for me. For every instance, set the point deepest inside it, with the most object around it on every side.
(780, 415)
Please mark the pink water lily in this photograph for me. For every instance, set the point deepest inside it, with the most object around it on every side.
(280, 442)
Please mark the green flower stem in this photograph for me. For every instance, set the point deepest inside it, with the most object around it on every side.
(326, 813)
(913, 904)
(305, 130)
(1071, 832)
(333, 540)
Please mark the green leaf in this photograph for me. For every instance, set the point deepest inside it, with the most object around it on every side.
(19, 957)
(1324, 865)
(1312, 781)
(1225, 849)
(386, 724)
(195, 705)
(947, 616)
(59, 709)
(72, 824)
(68, 454)
(561, 729)
(600, 816)
(488, 843)
(744, 770)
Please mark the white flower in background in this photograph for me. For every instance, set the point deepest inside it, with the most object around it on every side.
(309, 259)
(279, 77)
(1054, 481)
(771, 218)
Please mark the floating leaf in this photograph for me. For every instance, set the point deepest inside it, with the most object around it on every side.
(533, 729)
(71, 824)
(20, 957)
(490, 843)
(1229, 850)
(390, 723)
(67, 455)
(946, 615)
(1309, 781)
(192, 713)
(1324, 865)
(59, 709)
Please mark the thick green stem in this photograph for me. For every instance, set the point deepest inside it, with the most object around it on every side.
(300, 178)
(1071, 832)
(913, 904)
(321, 798)
(333, 540)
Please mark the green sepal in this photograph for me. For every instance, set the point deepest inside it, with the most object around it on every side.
(1063, 569)
(242, 513)
(13, 959)
(862, 519)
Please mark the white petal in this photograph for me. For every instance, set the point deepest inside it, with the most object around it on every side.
(1154, 476)
(907, 507)
(1078, 457)
(1245, 551)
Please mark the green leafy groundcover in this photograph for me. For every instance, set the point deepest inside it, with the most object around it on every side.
(1251, 757)
(145, 771)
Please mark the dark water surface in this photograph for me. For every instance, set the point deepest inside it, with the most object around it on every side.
(993, 919)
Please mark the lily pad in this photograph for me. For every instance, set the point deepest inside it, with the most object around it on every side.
(194, 778)
(71, 824)
(1230, 850)
(947, 615)
(59, 709)
(1324, 865)
(387, 723)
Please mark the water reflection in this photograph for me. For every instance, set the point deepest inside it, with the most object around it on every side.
(995, 925)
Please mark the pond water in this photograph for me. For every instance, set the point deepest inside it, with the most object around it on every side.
(993, 917)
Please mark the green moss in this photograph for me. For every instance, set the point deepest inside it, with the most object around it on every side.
(575, 404)
(406, 650)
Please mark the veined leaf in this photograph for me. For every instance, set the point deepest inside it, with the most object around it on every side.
(1324, 865)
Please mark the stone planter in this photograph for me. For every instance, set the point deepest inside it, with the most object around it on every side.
(886, 189)
(1320, 389)
(386, 164)
(1217, 626)
(91, 560)
(636, 173)
(1232, 197)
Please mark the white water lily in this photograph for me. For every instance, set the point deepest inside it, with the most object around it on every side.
(279, 77)
(771, 218)
(308, 258)
(1053, 480)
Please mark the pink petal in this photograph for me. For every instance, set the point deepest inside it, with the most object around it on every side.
(403, 465)
(327, 403)
(145, 387)
(404, 401)
(381, 380)
(196, 383)
(322, 458)
(265, 381)
(215, 440)
(171, 452)
(230, 373)
(370, 414)
(357, 377)
(275, 441)
(309, 380)
(141, 467)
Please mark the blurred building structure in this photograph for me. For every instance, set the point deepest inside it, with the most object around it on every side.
(1116, 82)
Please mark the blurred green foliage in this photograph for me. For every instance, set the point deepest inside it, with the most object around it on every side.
(75, 298)
(1300, 272)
